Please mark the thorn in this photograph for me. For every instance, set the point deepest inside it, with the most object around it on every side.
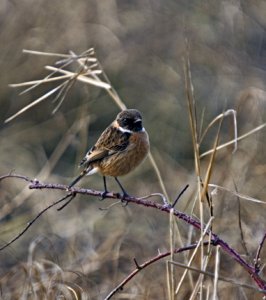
(179, 195)
(215, 240)
(136, 263)
(257, 266)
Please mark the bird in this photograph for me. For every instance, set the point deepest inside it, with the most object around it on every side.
(121, 147)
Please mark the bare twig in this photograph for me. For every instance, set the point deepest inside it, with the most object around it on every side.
(72, 196)
(139, 267)
(12, 175)
(33, 220)
(257, 258)
(179, 195)
(243, 242)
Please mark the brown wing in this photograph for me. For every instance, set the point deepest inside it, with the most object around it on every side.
(111, 141)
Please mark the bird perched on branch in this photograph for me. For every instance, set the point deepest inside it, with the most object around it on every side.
(122, 146)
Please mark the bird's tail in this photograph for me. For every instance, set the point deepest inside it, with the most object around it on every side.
(82, 174)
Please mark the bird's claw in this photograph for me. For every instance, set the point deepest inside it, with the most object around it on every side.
(123, 197)
(103, 195)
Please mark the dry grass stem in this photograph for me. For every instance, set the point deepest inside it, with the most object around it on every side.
(191, 104)
(221, 278)
(239, 195)
(37, 101)
(256, 129)
(193, 255)
(81, 78)
(207, 179)
(229, 112)
(41, 81)
(216, 273)
(172, 247)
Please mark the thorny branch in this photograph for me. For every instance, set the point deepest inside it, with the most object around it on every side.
(215, 240)
(139, 267)
(160, 256)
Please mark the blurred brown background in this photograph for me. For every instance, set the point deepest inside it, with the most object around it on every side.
(140, 45)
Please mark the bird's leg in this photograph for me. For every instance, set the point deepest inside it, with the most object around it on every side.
(82, 174)
(105, 188)
(125, 194)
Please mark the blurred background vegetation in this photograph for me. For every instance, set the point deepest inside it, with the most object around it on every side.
(141, 45)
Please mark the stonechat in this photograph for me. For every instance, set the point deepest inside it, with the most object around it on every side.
(122, 146)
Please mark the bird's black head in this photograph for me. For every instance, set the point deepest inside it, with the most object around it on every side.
(130, 119)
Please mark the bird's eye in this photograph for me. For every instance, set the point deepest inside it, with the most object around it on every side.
(124, 122)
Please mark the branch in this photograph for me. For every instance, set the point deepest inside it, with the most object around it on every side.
(160, 256)
(139, 267)
(36, 218)
(215, 240)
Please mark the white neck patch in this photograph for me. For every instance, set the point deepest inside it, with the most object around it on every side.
(124, 130)
(129, 131)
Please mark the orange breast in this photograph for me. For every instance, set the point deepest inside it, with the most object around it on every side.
(124, 162)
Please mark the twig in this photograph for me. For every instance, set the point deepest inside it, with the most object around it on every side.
(139, 267)
(11, 175)
(179, 195)
(72, 196)
(137, 264)
(243, 242)
(33, 220)
(257, 258)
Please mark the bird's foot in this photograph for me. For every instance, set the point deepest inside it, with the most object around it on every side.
(103, 195)
(123, 198)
